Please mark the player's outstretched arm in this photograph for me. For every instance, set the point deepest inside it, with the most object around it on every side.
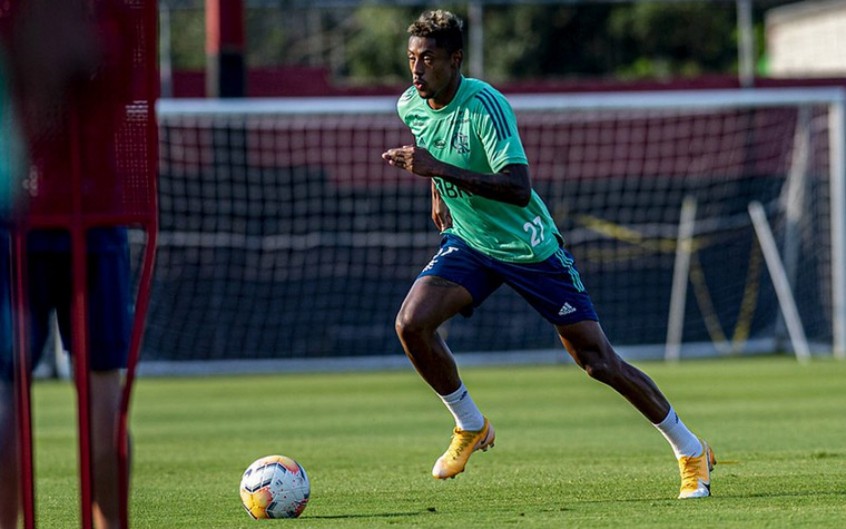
(511, 185)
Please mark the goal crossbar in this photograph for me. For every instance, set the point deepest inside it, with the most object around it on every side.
(689, 99)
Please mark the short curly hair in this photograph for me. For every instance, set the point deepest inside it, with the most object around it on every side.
(445, 27)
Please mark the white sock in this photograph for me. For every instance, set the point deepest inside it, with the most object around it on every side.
(461, 405)
(682, 440)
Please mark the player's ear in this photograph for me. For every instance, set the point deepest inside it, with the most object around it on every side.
(457, 58)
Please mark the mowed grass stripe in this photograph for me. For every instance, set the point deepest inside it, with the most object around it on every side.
(569, 452)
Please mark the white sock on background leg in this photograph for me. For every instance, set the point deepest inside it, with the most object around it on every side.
(466, 413)
(682, 440)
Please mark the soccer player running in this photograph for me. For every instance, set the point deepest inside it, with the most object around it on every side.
(497, 230)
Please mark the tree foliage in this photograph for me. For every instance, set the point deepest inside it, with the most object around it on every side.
(538, 41)
(376, 50)
(675, 39)
(366, 44)
(588, 40)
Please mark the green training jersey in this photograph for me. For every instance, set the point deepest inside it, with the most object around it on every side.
(477, 131)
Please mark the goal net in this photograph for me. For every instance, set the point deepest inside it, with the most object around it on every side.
(284, 235)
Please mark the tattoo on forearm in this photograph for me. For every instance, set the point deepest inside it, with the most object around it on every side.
(506, 186)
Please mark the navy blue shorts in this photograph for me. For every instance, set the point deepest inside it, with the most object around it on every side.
(50, 288)
(553, 287)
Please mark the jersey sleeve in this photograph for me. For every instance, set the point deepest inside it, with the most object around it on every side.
(404, 103)
(496, 125)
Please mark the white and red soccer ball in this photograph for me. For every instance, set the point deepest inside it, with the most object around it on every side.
(275, 487)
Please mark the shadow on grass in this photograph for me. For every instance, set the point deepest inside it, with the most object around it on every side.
(717, 497)
(799, 494)
(428, 511)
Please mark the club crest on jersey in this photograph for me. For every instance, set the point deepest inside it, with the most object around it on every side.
(460, 143)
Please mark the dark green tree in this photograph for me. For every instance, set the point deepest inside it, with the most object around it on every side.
(375, 50)
(365, 44)
(674, 39)
(543, 41)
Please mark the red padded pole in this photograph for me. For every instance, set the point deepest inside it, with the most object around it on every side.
(149, 223)
(23, 402)
(79, 323)
(225, 63)
(142, 302)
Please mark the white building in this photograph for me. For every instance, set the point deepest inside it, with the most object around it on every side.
(807, 39)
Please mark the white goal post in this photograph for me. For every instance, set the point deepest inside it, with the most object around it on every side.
(833, 98)
(291, 195)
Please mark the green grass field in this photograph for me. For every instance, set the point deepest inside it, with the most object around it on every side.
(569, 451)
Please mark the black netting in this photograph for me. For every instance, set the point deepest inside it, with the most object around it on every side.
(287, 236)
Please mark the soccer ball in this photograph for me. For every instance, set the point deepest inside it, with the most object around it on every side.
(275, 487)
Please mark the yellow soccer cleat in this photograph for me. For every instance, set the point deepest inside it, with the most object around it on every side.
(463, 444)
(696, 473)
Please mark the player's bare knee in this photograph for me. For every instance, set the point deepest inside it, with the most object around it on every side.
(597, 371)
(401, 325)
(410, 328)
(603, 368)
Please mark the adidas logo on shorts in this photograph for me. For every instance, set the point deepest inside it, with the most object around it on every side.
(566, 309)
